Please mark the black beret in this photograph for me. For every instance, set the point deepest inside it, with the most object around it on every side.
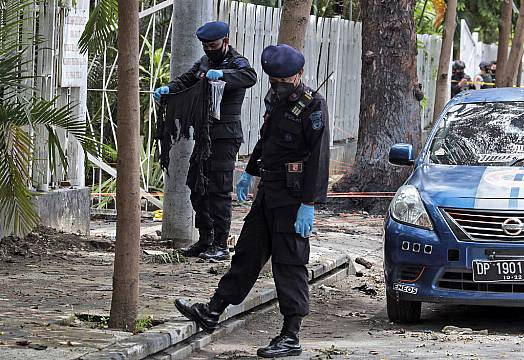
(282, 61)
(212, 31)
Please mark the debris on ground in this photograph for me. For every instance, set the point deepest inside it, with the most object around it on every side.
(366, 289)
(162, 257)
(359, 274)
(158, 215)
(351, 314)
(220, 268)
(328, 289)
(150, 238)
(364, 262)
(47, 242)
(333, 351)
(154, 252)
(231, 241)
(455, 330)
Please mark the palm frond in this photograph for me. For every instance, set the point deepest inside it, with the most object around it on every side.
(100, 27)
(21, 111)
(18, 214)
(55, 150)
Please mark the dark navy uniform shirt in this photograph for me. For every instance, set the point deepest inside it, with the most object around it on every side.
(286, 138)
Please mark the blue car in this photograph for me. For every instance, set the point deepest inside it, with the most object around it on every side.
(454, 232)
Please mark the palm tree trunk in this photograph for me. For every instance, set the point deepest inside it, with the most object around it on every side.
(178, 220)
(515, 56)
(504, 35)
(441, 93)
(124, 304)
(293, 24)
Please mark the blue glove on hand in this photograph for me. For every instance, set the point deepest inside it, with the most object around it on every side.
(243, 186)
(160, 91)
(214, 74)
(305, 218)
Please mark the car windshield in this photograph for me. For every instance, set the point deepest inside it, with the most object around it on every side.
(483, 134)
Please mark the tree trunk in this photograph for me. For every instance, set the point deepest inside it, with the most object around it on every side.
(442, 90)
(293, 24)
(519, 76)
(505, 27)
(178, 219)
(124, 304)
(389, 103)
(515, 56)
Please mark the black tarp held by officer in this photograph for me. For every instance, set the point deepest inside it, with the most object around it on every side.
(178, 113)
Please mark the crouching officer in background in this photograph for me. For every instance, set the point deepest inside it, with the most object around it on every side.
(459, 80)
(292, 160)
(213, 209)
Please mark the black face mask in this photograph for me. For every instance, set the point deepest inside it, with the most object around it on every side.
(215, 56)
(282, 89)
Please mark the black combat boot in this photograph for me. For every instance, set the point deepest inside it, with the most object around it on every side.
(287, 343)
(202, 245)
(218, 251)
(205, 315)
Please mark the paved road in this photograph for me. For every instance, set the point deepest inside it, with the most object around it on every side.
(345, 323)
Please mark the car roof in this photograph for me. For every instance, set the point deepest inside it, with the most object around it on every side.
(490, 95)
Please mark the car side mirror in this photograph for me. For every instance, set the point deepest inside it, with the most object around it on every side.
(401, 155)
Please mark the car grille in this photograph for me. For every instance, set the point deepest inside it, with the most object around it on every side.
(410, 273)
(483, 225)
(463, 280)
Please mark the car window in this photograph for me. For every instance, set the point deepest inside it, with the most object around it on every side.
(483, 134)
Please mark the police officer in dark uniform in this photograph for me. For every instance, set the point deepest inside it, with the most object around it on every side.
(484, 80)
(292, 160)
(213, 209)
(459, 80)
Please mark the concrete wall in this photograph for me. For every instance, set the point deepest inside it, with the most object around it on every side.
(68, 210)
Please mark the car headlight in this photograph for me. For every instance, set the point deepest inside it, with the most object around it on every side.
(407, 207)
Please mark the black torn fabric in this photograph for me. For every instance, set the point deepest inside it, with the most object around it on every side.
(178, 113)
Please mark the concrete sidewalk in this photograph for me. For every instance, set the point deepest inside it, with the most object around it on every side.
(42, 298)
(178, 329)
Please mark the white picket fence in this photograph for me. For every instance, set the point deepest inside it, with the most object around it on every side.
(427, 67)
(473, 51)
(332, 45)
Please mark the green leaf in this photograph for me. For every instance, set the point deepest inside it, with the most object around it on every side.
(100, 27)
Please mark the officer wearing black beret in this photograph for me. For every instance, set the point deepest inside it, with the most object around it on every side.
(292, 160)
(213, 209)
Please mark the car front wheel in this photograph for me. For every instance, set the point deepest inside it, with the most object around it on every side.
(402, 311)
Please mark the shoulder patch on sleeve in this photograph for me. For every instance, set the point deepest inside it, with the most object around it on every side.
(317, 122)
(241, 62)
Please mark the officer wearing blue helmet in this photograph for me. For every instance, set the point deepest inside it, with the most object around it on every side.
(292, 160)
(213, 209)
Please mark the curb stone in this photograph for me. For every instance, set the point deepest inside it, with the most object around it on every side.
(171, 333)
(201, 340)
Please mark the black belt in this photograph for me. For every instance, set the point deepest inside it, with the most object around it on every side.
(272, 175)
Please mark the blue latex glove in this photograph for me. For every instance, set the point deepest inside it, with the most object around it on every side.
(243, 186)
(160, 91)
(305, 218)
(214, 74)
